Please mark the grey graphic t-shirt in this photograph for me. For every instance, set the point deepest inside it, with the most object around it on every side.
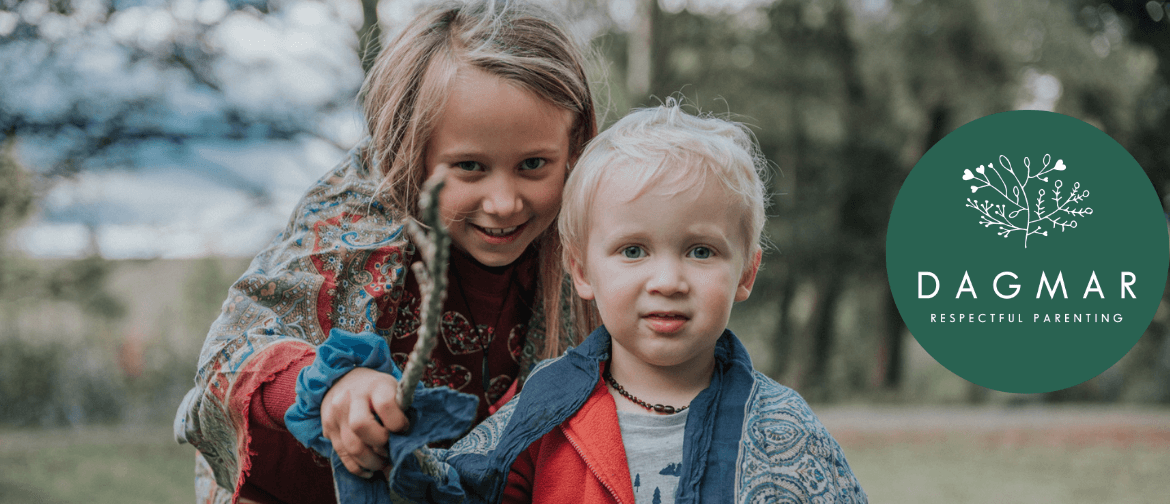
(654, 451)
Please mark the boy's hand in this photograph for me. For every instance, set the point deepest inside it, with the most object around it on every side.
(348, 419)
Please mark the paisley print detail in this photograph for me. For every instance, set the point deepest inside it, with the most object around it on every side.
(778, 440)
(774, 492)
(813, 475)
(486, 436)
(340, 253)
(355, 239)
(786, 455)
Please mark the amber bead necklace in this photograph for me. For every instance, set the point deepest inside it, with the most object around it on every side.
(657, 408)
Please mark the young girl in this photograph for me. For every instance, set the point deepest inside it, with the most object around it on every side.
(496, 95)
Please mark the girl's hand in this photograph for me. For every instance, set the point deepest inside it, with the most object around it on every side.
(348, 419)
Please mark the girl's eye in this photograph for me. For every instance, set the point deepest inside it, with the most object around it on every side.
(633, 252)
(469, 166)
(532, 163)
(701, 253)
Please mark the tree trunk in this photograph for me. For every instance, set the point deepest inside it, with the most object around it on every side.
(369, 35)
(892, 347)
(782, 338)
(639, 50)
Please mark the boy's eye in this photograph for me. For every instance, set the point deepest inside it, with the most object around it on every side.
(633, 252)
(532, 163)
(701, 253)
(469, 166)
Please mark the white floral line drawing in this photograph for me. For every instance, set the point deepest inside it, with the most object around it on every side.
(1006, 215)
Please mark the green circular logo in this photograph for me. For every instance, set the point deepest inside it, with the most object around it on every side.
(1027, 251)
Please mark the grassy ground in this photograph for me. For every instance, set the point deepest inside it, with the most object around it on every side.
(955, 456)
(95, 465)
(960, 472)
(1031, 455)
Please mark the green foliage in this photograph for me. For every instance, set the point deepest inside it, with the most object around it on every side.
(204, 292)
(53, 384)
(28, 382)
(16, 198)
(16, 202)
(84, 282)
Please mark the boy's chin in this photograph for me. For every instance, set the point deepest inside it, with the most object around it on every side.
(670, 361)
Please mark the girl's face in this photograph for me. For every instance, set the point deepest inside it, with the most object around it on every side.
(507, 152)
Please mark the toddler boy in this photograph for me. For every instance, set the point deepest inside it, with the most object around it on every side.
(661, 224)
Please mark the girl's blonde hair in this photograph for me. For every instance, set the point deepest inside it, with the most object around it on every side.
(668, 150)
(407, 86)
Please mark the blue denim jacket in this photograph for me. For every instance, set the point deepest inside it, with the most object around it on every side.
(747, 439)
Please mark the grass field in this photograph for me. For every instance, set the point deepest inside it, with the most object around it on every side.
(961, 472)
(95, 465)
(900, 456)
(1006, 456)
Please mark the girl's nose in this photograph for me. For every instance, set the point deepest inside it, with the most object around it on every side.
(502, 198)
(668, 278)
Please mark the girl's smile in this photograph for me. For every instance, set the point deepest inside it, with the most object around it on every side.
(506, 151)
(500, 236)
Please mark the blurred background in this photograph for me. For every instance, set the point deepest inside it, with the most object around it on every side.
(148, 148)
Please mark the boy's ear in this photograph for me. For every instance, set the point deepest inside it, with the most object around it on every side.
(584, 289)
(748, 279)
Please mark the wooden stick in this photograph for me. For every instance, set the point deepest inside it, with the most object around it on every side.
(434, 246)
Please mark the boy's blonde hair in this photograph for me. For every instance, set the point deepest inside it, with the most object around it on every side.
(406, 90)
(668, 150)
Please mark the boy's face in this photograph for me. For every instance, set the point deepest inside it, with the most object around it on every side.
(664, 270)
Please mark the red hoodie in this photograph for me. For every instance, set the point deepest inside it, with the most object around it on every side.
(583, 460)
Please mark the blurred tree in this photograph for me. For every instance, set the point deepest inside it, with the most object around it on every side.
(797, 69)
(32, 373)
(83, 282)
(1146, 24)
(1140, 124)
(96, 84)
(15, 191)
(205, 288)
(16, 202)
(845, 98)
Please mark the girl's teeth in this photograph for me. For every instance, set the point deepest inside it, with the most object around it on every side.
(500, 232)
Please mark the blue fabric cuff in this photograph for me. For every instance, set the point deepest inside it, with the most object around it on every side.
(437, 414)
(339, 354)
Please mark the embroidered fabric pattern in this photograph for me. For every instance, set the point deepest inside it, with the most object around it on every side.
(486, 436)
(783, 450)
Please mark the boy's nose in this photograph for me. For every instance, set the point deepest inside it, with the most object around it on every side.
(668, 278)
